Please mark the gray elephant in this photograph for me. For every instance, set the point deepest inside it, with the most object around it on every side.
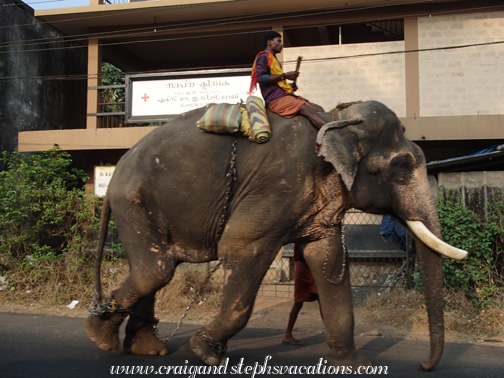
(181, 195)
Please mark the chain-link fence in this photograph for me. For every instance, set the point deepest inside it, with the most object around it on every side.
(380, 253)
(379, 249)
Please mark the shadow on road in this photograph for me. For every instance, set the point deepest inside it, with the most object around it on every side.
(49, 346)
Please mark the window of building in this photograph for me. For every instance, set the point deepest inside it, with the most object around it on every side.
(375, 31)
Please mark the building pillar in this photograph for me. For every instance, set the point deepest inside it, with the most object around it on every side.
(279, 28)
(93, 81)
(412, 73)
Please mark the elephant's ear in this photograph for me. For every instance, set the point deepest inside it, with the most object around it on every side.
(340, 147)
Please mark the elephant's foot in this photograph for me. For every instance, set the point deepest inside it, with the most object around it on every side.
(352, 361)
(141, 338)
(103, 330)
(211, 352)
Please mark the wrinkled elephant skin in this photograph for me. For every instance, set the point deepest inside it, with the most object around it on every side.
(168, 195)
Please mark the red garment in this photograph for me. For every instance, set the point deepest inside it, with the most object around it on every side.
(253, 75)
(305, 289)
(287, 106)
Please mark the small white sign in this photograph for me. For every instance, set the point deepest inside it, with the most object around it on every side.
(102, 176)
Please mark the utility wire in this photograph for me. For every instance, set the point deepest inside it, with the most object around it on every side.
(217, 22)
(313, 60)
(347, 7)
(85, 76)
(43, 2)
(181, 27)
(146, 10)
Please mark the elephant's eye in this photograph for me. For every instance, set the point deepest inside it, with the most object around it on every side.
(401, 168)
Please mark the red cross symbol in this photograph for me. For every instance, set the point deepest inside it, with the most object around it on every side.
(145, 97)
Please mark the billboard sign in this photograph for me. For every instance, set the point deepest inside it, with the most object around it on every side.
(163, 96)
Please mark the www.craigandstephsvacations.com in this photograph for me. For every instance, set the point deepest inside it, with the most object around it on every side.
(252, 370)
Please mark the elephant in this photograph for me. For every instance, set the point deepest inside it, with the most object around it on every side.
(182, 195)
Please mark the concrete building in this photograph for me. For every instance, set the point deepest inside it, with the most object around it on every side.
(38, 72)
(437, 64)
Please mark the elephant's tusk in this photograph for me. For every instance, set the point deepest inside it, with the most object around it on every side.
(433, 242)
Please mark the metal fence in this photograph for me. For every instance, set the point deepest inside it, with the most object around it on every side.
(380, 252)
(380, 255)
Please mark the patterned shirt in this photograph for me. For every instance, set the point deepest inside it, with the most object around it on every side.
(272, 91)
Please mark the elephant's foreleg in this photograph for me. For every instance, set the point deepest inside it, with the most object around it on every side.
(335, 300)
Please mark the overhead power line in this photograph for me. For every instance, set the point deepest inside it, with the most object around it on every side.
(146, 10)
(313, 60)
(195, 24)
(138, 32)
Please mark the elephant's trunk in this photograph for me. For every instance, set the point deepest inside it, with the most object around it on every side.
(427, 237)
(428, 243)
(431, 264)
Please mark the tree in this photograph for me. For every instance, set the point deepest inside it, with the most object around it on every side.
(44, 208)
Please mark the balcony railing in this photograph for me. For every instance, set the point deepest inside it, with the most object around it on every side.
(112, 114)
(107, 2)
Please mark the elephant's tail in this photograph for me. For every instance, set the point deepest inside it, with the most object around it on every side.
(104, 220)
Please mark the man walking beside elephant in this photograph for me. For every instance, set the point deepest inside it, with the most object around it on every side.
(276, 91)
(305, 290)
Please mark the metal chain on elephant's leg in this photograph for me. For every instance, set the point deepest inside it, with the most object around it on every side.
(110, 306)
(231, 177)
(177, 328)
(219, 349)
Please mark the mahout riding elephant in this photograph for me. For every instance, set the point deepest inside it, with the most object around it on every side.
(181, 195)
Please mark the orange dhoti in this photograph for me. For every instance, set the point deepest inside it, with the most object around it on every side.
(287, 106)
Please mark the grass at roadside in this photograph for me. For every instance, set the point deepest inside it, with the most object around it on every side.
(50, 288)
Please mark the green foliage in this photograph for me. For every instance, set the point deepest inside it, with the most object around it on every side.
(111, 75)
(478, 274)
(44, 210)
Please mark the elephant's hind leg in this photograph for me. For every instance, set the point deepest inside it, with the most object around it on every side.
(141, 330)
(137, 294)
(151, 267)
(103, 330)
(135, 297)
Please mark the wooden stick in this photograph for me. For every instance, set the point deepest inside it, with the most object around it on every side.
(298, 64)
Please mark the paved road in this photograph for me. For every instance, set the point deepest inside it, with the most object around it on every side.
(47, 346)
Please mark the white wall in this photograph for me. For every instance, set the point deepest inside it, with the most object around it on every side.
(333, 81)
(454, 82)
(466, 81)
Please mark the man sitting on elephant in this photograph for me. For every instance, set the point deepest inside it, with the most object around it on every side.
(277, 93)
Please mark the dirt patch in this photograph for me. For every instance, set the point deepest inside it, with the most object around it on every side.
(395, 313)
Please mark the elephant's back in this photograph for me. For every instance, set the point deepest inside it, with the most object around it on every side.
(174, 141)
(179, 152)
(174, 156)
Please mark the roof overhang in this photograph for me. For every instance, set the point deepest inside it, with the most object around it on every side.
(79, 20)
(482, 162)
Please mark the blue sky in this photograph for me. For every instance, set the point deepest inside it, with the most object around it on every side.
(48, 4)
